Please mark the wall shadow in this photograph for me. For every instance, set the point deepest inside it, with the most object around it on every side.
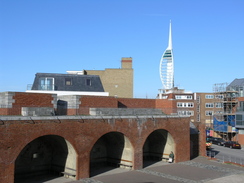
(43, 157)
(62, 107)
(109, 152)
(194, 141)
(157, 147)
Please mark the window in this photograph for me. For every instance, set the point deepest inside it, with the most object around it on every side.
(240, 120)
(241, 106)
(198, 108)
(186, 113)
(198, 99)
(88, 82)
(182, 104)
(68, 81)
(35, 155)
(198, 118)
(208, 113)
(218, 105)
(183, 97)
(209, 96)
(209, 105)
(46, 84)
(219, 96)
(238, 117)
(164, 97)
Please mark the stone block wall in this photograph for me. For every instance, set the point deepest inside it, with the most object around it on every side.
(37, 111)
(12, 102)
(124, 111)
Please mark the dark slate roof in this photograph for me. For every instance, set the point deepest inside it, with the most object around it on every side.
(79, 82)
(237, 82)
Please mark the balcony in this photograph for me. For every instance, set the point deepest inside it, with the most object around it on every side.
(43, 87)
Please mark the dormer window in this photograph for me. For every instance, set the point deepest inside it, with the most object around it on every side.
(68, 81)
(46, 83)
(88, 82)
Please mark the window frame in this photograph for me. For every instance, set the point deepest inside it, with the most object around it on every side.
(209, 105)
(68, 80)
(88, 82)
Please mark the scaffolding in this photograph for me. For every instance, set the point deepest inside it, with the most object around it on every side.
(225, 104)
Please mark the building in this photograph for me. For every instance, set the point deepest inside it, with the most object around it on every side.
(199, 106)
(224, 117)
(225, 109)
(237, 87)
(205, 107)
(108, 82)
(73, 83)
(117, 82)
(178, 102)
(166, 67)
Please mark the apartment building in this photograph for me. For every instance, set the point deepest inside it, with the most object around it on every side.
(117, 82)
(108, 82)
(199, 106)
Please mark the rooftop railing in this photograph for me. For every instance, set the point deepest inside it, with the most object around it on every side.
(44, 87)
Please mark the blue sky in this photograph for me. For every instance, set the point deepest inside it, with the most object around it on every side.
(53, 36)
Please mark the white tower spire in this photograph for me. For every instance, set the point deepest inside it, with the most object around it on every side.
(170, 38)
(166, 67)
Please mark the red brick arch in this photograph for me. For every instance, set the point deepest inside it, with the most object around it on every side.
(82, 133)
(31, 139)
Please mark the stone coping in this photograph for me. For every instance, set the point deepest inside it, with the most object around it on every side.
(78, 117)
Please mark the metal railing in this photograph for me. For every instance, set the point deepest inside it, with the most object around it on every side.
(225, 158)
(45, 87)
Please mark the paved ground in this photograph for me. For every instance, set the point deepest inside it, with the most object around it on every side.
(195, 171)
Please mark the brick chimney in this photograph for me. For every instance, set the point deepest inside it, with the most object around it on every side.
(126, 63)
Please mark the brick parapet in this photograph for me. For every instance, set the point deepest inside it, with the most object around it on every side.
(96, 101)
(79, 105)
(16, 100)
(136, 103)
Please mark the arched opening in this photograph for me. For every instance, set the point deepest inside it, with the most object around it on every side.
(45, 158)
(194, 141)
(111, 151)
(157, 147)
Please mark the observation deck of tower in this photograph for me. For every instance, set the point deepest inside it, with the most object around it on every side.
(166, 67)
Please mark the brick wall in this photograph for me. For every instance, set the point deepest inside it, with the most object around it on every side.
(4, 111)
(87, 102)
(136, 103)
(118, 82)
(199, 141)
(240, 139)
(96, 101)
(167, 106)
(240, 98)
(28, 99)
(82, 135)
(23, 99)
